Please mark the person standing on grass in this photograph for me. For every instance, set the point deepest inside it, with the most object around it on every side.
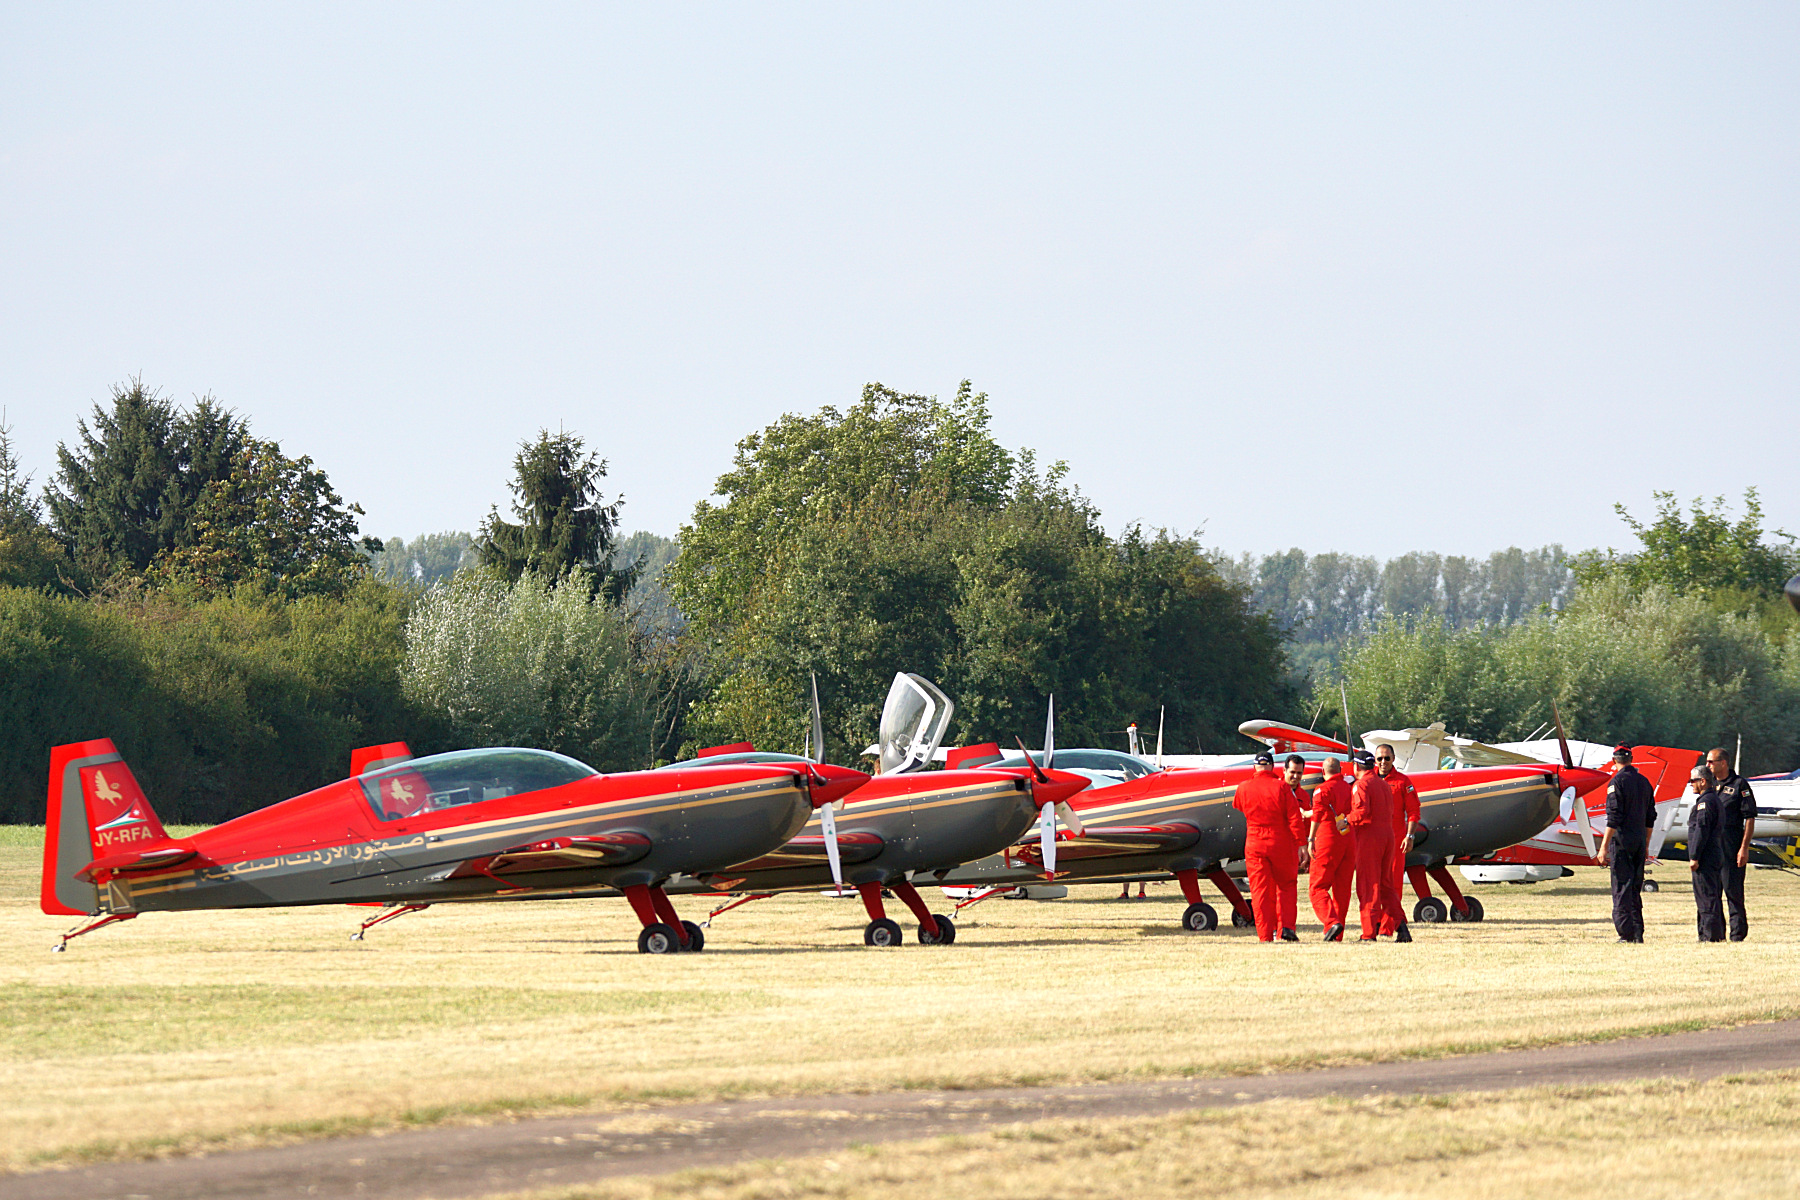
(1708, 852)
(1406, 826)
(1333, 867)
(1372, 823)
(1274, 841)
(1738, 827)
(1630, 812)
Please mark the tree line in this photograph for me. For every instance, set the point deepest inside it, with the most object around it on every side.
(204, 599)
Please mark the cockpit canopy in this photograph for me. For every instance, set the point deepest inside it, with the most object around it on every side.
(735, 758)
(1102, 767)
(440, 781)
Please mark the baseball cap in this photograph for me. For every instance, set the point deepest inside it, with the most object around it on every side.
(1264, 759)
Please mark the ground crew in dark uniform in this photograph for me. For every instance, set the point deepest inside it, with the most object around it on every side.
(1738, 827)
(1707, 854)
(1630, 813)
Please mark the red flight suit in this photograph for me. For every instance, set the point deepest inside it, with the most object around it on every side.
(1372, 818)
(1406, 813)
(1334, 852)
(1272, 838)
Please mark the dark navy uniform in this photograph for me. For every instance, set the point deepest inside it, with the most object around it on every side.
(1739, 810)
(1708, 851)
(1630, 812)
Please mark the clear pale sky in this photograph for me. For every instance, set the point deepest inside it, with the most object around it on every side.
(1360, 277)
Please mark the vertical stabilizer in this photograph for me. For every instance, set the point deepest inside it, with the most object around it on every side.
(94, 807)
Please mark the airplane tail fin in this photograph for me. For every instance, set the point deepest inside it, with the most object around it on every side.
(373, 758)
(94, 809)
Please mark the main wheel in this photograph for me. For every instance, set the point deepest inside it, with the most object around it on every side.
(658, 939)
(1200, 917)
(945, 935)
(1474, 912)
(1240, 921)
(883, 933)
(1650, 885)
(1431, 911)
(696, 937)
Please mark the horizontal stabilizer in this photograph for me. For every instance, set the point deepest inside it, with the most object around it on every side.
(972, 756)
(373, 758)
(132, 861)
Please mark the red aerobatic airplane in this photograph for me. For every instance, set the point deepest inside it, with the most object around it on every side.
(906, 822)
(409, 832)
(1180, 821)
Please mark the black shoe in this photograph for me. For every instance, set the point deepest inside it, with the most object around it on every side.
(1403, 934)
(1335, 934)
(1288, 935)
(1626, 941)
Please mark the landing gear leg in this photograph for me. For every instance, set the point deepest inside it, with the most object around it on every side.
(933, 930)
(1241, 916)
(656, 937)
(1199, 916)
(689, 933)
(879, 931)
(96, 923)
(388, 914)
(1429, 909)
(1462, 908)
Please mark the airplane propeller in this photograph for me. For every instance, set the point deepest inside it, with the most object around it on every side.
(1576, 812)
(1049, 811)
(1562, 739)
(828, 813)
(1160, 714)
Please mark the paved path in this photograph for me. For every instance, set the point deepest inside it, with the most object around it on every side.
(447, 1163)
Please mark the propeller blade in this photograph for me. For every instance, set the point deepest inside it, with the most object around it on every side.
(1584, 824)
(1036, 772)
(1344, 695)
(817, 753)
(1047, 839)
(1050, 734)
(1561, 738)
(828, 823)
(1568, 805)
(1070, 818)
(1664, 819)
(1160, 714)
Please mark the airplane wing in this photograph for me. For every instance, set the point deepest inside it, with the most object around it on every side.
(809, 851)
(1114, 841)
(1271, 732)
(559, 854)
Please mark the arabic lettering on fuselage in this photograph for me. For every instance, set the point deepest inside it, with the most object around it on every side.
(322, 856)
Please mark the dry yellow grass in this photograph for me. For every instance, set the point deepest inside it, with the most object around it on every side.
(1725, 1138)
(179, 1031)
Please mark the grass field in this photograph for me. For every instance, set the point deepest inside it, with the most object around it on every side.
(189, 1031)
(1726, 1138)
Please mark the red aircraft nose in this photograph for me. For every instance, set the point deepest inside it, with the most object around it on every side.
(839, 782)
(1061, 785)
(1582, 779)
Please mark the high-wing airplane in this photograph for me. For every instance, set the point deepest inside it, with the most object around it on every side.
(1180, 821)
(408, 832)
(906, 823)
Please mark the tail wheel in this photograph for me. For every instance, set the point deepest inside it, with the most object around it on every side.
(1431, 911)
(658, 939)
(1650, 885)
(883, 933)
(696, 937)
(1474, 913)
(943, 937)
(1200, 918)
(1240, 921)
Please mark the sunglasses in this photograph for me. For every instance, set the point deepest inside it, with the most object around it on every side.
(1385, 758)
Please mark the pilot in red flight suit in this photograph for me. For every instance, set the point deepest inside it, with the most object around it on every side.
(1372, 819)
(1273, 837)
(1406, 824)
(1333, 852)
